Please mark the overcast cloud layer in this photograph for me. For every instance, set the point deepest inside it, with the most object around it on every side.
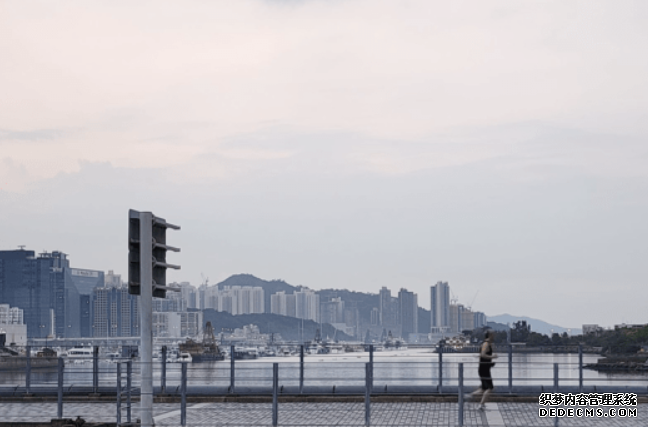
(500, 146)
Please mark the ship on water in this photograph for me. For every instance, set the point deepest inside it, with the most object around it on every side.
(10, 359)
(205, 351)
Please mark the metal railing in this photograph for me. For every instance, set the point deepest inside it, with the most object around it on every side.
(437, 376)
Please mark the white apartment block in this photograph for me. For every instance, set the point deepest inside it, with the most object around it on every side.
(177, 324)
(11, 315)
(302, 304)
(235, 299)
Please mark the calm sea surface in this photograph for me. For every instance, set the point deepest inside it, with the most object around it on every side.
(408, 367)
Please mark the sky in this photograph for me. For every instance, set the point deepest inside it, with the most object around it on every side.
(499, 146)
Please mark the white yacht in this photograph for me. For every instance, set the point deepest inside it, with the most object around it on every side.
(80, 353)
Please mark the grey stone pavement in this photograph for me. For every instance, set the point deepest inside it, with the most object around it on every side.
(502, 414)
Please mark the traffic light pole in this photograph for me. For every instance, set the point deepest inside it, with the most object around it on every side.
(146, 325)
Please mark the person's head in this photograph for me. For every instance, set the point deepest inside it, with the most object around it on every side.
(489, 336)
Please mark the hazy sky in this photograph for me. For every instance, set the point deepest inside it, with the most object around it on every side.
(500, 146)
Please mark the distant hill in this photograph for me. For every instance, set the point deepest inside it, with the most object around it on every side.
(365, 302)
(537, 325)
(290, 328)
(269, 287)
(497, 326)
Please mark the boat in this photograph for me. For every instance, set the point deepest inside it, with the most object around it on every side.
(80, 354)
(241, 353)
(11, 359)
(185, 357)
(205, 351)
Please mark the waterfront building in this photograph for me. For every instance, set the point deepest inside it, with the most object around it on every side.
(467, 320)
(375, 316)
(53, 296)
(440, 306)
(114, 313)
(235, 299)
(172, 302)
(11, 315)
(189, 294)
(333, 311)
(112, 280)
(408, 312)
(384, 307)
(302, 304)
(456, 318)
(307, 305)
(480, 319)
(177, 324)
(13, 331)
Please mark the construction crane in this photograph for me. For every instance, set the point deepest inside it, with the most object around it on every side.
(473, 300)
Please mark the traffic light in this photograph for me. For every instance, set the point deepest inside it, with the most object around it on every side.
(134, 266)
(147, 241)
(160, 249)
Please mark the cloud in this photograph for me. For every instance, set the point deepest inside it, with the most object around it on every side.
(349, 143)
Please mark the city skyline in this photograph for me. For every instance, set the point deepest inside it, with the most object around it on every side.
(353, 144)
(54, 298)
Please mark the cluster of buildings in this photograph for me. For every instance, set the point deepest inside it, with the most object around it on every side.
(12, 326)
(47, 298)
(447, 316)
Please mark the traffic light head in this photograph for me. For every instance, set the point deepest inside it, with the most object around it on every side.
(134, 256)
(147, 244)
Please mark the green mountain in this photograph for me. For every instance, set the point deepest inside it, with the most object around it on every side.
(290, 328)
(365, 302)
(269, 287)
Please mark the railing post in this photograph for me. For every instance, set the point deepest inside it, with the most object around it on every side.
(555, 370)
(95, 369)
(129, 386)
(163, 373)
(119, 392)
(275, 393)
(510, 368)
(60, 388)
(28, 370)
(232, 357)
(580, 368)
(301, 369)
(183, 388)
(368, 382)
(371, 364)
(440, 368)
(461, 394)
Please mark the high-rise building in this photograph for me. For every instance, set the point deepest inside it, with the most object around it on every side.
(115, 313)
(384, 307)
(456, 317)
(375, 316)
(467, 321)
(235, 299)
(283, 304)
(332, 311)
(177, 325)
(307, 305)
(112, 280)
(408, 312)
(54, 297)
(480, 319)
(302, 304)
(440, 306)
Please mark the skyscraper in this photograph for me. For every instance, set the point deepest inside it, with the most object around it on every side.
(114, 313)
(408, 312)
(384, 307)
(440, 306)
(49, 292)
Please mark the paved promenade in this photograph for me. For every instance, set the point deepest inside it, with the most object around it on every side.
(502, 414)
